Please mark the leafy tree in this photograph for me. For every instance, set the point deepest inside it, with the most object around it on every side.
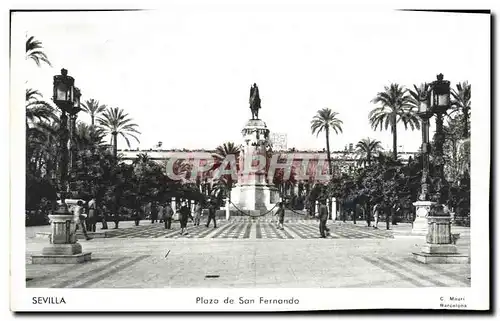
(324, 121)
(149, 179)
(395, 106)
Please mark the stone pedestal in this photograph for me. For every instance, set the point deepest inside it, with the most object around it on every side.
(420, 224)
(252, 191)
(63, 247)
(439, 248)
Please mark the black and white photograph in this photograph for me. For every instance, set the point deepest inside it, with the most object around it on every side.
(249, 158)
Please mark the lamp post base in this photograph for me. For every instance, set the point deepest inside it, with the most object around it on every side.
(441, 258)
(439, 247)
(61, 259)
(63, 247)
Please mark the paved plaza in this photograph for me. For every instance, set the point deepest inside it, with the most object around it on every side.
(249, 254)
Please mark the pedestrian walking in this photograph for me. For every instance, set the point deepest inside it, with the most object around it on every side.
(323, 217)
(197, 213)
(92, 218)
(104, 216)
(211, 214)
(116, 216)
(168, 213)
(388, 214)
(137, 215)
(375, 215)
(281, 216)
(160, 213)
(79, 218)
(368, 217)
(184, 212)
(154, 212)
(395, 214)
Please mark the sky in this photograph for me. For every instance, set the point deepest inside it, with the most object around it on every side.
(184, 74)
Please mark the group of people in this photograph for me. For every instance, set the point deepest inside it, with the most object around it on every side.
(164, 214)
(87, 215)
(389, 216)
(323, 217)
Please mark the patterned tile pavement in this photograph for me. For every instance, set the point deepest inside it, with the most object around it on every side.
(260, 229)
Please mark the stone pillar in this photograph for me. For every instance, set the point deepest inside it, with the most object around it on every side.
(227, 209)
(422, 209)
(63, 247)
(173, 205)
(334, 209)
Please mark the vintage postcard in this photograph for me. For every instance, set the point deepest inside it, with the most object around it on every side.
(250, 158)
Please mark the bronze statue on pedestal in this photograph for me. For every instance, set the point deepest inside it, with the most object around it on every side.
(254, 101)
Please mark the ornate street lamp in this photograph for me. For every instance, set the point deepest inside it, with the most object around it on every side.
(63, 97)
(63, 247)
(440, 105)
(425, 112)
(439, 246)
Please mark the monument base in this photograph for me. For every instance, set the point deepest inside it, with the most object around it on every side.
(61, 259)
(441, 258)
(258, 198)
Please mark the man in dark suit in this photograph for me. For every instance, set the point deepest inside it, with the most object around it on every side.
(323, 217)
(211, 214)
(154, 212)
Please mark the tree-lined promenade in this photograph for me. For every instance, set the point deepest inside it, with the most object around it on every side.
(372, 177)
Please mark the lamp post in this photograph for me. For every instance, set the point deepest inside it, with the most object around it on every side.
(440, 104)
(63, 97)
(439, 247)
(425, 112)
(426, 108)
(63, 247)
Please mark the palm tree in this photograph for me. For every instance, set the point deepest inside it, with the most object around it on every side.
(418, 93)
(221, 152)
(366, 149)
(396, 106)
(228, 148)
(41, 148)
(461, 102)
(87, 137)
(326, 120)
(34, 51)
(37, 108)
(93, 108)
(116, 122)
